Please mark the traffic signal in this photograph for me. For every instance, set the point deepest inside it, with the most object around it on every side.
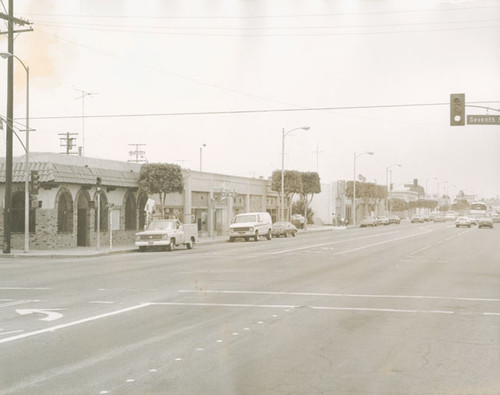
(98, 183)
(457, 109)
(35, 182)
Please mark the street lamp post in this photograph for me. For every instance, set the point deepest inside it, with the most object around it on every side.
(7, 55)
(201, 157)
(387, 181)
(426, 183)
(354, 186)
(283, 135)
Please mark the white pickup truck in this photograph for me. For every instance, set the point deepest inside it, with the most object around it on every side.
(168, 234)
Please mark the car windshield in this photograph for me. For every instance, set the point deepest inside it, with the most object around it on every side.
(161, 225)
(245, 218)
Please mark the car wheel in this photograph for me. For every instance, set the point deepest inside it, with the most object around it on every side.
(269, 235)
(294, 233)
(171, 245)
(142, 248)
(256, 237)
(189, 244)
(231, 239)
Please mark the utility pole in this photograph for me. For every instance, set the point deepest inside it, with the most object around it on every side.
(317, 152)
(82, 96)
(10, 117)
(67, 142)
(140, 155)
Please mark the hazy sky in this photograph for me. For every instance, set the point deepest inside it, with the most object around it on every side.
(177, 59)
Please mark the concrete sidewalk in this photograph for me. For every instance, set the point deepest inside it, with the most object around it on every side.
(85, 252)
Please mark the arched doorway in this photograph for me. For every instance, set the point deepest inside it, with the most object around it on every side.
(83, 219)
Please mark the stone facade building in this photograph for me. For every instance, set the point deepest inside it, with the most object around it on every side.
(65, 213)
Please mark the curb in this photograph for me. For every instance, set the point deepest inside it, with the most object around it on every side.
(96, 253)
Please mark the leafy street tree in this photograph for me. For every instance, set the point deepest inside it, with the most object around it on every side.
(161, 179)
(292, 184)
(310, 185)
(368, 192)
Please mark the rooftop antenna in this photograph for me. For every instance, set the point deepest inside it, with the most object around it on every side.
(82, 96)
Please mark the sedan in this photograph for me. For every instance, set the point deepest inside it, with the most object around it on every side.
(284, 229)
(417, 219)
(462, 221)
(368, 221)
(394, 219)
(485, 222)
(382, 220)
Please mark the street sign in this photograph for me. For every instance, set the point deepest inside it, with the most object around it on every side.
(483, 119)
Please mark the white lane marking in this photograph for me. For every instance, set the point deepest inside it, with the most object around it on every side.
(8, 333)
(332, 242)
(17, 302)
(421, 250)
(101, 302)
(340, 295)
(331, 308)
(23, 289)
(379, 243)
(69, 324)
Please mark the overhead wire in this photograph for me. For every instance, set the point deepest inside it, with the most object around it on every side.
(229, 112)
(284, 16)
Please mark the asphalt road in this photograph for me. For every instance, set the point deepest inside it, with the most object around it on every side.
(401, 309)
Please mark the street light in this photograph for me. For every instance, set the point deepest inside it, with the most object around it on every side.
(427, 180)
(6, 55)
(283, 135)
(201, 156)
(387, 180)
(354, 186)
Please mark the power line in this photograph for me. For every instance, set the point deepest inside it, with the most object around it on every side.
(265, 16)
(115, 30)
(113, 26)
(258, 111)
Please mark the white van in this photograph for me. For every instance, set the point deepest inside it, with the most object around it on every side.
(252, 225)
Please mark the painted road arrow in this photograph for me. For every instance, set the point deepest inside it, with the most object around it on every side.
(51, 314)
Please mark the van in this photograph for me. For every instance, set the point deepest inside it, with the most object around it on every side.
(251, 225)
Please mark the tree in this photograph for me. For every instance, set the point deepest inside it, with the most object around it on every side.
(310, 185)
(161, 179)
(292, 184)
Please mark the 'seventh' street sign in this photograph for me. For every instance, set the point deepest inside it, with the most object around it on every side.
(483, 119)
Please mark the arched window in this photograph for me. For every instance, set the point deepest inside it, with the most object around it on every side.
(64, 213)
(130, 212)
(17, 214)
(103, 225)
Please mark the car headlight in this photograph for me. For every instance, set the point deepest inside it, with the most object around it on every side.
(164, 237)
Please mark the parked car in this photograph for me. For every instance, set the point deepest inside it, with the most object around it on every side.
(451, 216)
(368, 221)
(251, 225)
(394, 219)
(462, 221)
(382, 220)
(495, 217)
(417, 218)
(473, 219)
(284, 229)
(439, 218)
(485, 222)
